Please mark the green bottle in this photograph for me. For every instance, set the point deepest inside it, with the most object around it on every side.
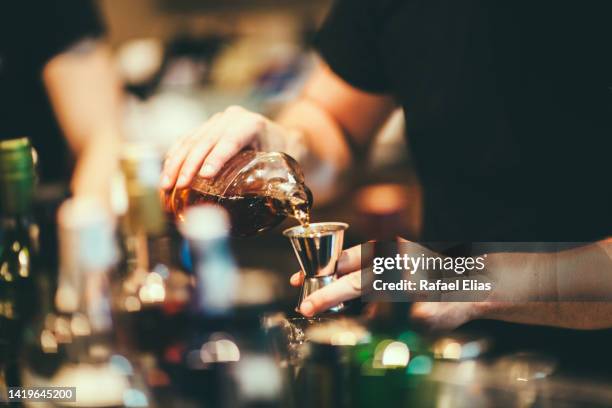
(18, 246)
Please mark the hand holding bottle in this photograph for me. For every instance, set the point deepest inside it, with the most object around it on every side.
(208, 148)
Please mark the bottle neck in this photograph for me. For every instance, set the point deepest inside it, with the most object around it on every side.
(16, 194)
(144, 229)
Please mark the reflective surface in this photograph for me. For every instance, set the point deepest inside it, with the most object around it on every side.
(317, 248)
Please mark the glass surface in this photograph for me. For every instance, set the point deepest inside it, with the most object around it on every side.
(258, 190)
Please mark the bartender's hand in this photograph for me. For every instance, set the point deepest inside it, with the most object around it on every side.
(207, 149)
(347, 286)
(434, 315)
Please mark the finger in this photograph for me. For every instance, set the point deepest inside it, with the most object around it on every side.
(195, 158)
(205, 138)
(174, 160)
(349, 261)
(220, 154)
(238, 131)
(180, 142)
(173, 164)
(347, 287)
(179, 152)
(296, 279)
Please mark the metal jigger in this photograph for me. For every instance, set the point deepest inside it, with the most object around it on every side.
(317, 248)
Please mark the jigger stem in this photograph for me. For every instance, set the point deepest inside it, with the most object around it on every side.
(317, 248)
(312, 284)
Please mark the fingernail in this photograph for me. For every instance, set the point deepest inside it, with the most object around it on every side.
(295, 278)
(182, 180)
(307, 308)
(165, 181)
(207, 170)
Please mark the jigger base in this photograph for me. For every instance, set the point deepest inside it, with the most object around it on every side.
(312, 284)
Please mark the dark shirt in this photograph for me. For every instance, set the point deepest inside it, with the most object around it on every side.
(32, 33)
(507, 106)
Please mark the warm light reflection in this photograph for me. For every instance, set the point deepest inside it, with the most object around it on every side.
(222, 350)
(259, 378)
(396, 354)
(4, 272)
(452, 351)
(345, 338)
(66, 299)
(131, 304)
(48, 342)
(153, 290)
(24, 262)
(378, 353)
(99, 351)
(79, 325)
(63, 334)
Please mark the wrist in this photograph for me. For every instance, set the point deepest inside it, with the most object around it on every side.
(276, 137)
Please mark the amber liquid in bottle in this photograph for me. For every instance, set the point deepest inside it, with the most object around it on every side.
(249, 213)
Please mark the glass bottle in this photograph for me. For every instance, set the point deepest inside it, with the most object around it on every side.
(18, 248)
(84, 327)
(153, 289)
(258, 190)
(225, 361)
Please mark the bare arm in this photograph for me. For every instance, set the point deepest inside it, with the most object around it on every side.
(581, 279)
(566, 289)
(328, 111)
(85, 94)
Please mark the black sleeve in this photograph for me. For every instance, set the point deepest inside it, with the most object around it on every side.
(55, 25)
(348, 41)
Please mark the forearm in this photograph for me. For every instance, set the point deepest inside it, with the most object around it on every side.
(572, 315)
(85, 94)
(316, 140)
(571, 288)
(319, 132)
(332, 118)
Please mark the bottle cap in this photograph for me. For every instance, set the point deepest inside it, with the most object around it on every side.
(205, 222)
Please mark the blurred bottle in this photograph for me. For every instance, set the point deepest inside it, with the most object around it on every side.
(224, 362)
(258, 190)
(326, 379)
(18, 250)
(151, 288)
(83, 327)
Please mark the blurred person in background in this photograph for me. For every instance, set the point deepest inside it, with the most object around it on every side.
(508, 112)
(56, 69)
